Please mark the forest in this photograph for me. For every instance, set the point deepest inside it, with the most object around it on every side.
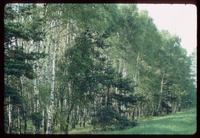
(69, 66)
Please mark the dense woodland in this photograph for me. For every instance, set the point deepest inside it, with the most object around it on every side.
(103, 65)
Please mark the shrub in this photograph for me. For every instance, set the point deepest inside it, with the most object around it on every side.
(108, 118)
(37, 120)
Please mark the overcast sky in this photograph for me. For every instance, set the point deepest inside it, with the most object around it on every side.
(179, 19)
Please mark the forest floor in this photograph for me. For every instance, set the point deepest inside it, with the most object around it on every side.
(183, 122)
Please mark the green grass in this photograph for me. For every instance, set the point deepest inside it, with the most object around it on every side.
(81, 130)
(178, 123)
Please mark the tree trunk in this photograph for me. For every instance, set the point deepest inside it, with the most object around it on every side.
(21, 94)
(68, 118)
(51, 107)
(161, 91)
(43, 115)
(108, 97)
(36, 92)
(139, 112)
(175, 107)
(136, 73)
(84, 121)
(84, 116)
(137, 70)
(103, 101)
(136, 112)
(9, 115)
(19, 120)
(25, 125)
(67, 125)
(45, 121)
(61, 114)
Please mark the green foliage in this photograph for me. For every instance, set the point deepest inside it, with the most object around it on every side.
(20, 25)
(26, 31)
(84, 62)
(15, 57)
(112, 67)
(37, 120)
(13, 94)
(106, 116)
(123, 122)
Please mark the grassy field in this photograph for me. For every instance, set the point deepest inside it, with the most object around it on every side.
(179, 123)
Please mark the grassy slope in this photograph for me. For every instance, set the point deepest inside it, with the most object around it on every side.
(178, 123)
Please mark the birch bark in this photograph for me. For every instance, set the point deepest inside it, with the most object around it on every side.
(161, 91)
(50, 110)
(9, 116)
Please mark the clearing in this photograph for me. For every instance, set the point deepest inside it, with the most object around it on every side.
(177, 123)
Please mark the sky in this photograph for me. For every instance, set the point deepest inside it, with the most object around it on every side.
(178, 19)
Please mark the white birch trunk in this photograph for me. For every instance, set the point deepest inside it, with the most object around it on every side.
(175, 107)
(139, 112)
(18, 120)
(9, 115)
(36, 92)
(50, 110)
(43, 125)
(51, 107)
(136, 78)
(117, 66)
(123, 71)
(161, 91)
